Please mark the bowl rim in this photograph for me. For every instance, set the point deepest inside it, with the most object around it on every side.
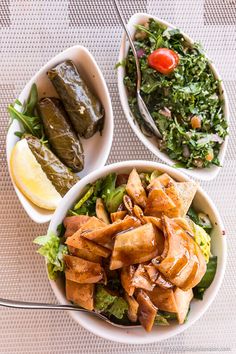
(74, 193)
(202, 174)
(109, 137)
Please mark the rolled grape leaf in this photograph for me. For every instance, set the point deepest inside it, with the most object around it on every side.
(60, 175)
(83, 107)
(61, 136)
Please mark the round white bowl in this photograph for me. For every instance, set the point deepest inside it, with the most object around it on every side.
(138, 335)
(97, 148)
(150, 143)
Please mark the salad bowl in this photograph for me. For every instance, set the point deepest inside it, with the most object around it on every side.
(90, 71)
(137, 335)
(207, 173)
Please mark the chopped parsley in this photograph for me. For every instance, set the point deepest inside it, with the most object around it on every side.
(190, 92)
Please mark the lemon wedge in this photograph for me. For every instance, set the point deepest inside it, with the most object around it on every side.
(30, 178)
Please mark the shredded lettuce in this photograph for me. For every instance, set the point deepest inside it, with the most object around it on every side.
(110, 304)
(103, 299)
(203, 240)
(161, 320)
(53, 251)
(118, 308)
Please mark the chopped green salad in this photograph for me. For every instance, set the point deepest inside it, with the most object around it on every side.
(181, 93)
(119, 244)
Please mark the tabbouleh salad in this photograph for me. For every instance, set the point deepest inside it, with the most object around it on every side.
(184, 102)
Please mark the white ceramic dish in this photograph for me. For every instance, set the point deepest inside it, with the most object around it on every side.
(97, 148)
(138, 335)
(203, 174)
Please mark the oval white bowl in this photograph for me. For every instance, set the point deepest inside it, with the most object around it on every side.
(138, 335)
(97, 148)
(204, 173)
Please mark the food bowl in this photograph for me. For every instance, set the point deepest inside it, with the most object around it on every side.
(202, 202)
(150, 143)
(97, 148)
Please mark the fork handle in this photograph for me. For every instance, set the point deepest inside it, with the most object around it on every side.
(37, 306)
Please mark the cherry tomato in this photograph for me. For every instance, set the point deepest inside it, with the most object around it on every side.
(163, 60)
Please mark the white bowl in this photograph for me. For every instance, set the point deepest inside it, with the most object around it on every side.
(150, 143)
(138, 335)
(97, 148)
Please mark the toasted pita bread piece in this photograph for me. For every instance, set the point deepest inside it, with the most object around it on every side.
(101, 211)
(183, 299)
(133, 308)
(104, 235)
(146, 310)
(81, 271)
(141, 279)
(81, 243)
(135, 246)
(158, 202)
(184, 264)
(85, 254)
(73, 223)
(154, 220)
(135, 189)
(163, 299)
(156, 277)
(165, 179)
(187, 191)
(118, 215)
(80, 294)
(173, 193)
(126, 277)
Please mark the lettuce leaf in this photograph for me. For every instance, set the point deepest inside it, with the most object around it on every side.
(53, 251)
(208, 278)
(112, 196)
(203, 240)
(110, 304)
(103, 299)
(118, 308)
(161, 320)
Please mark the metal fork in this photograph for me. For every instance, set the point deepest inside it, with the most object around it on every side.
(141, 104)
(41, 306)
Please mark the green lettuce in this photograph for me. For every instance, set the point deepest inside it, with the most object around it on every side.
(110, 304)
(53, 251)
(203, 240)
(208, 278)
(112, 196)
(118, 308)
(103, 299)
(160, 320)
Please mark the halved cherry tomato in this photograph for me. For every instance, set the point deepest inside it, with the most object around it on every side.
(163, 60)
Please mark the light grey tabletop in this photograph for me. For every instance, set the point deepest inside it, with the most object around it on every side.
(32, 32)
